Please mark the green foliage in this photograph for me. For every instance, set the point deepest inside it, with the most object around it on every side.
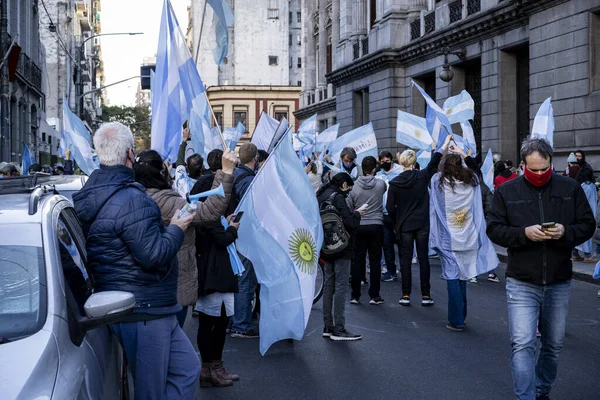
(137, 118)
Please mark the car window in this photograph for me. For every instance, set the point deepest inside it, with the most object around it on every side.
(76, 275)
(22, 281)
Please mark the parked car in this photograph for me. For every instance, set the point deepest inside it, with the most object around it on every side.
(55, 342)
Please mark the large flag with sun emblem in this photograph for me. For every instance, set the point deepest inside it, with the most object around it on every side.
(281, 233)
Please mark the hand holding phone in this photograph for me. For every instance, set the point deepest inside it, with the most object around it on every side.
(548, 225)
(363, 207)
(238, 217)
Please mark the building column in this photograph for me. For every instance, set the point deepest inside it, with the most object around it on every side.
(322, 82)
(359, 18)
(309, 72)
(335, 31)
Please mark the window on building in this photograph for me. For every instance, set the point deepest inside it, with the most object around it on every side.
(273, 13)
(273, 60)
(372, 13)
(43, 136)
(291, 16)
(290, 43)
(298, 17)
(300, 83)
(595, 51)
(239, 115)
(299, 39)
(219, 118)
(361, 107)
(280, 113)
(329, 51)
(299, 62)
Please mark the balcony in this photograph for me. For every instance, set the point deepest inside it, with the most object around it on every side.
(81, 10)
(429, 22)
(473, 6)
(415, 29)
(30, 71)
(455, 9)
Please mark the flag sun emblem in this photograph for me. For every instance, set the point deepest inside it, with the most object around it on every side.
(303, 250)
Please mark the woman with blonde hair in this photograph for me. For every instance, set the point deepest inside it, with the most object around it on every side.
(408, 206)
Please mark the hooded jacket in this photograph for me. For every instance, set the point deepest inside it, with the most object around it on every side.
(368, 190)
(408, 197)
(387, 176)
(128, 247)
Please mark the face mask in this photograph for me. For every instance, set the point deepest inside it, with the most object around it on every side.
(386, 166)
(538, 180)
(348, 165)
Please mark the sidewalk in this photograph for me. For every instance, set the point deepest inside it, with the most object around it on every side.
(581, 271)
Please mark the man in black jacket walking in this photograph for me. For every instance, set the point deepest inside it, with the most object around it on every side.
(540, 217)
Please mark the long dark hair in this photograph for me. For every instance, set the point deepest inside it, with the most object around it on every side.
(150, 170)
(452, 170)
(336, 182)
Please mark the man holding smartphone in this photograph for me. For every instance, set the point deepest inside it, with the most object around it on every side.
(540, 217)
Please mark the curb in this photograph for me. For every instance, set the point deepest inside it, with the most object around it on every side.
(577, 275)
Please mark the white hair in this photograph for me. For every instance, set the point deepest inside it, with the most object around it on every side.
(112, 141)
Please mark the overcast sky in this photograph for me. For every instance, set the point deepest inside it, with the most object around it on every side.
(123, 55)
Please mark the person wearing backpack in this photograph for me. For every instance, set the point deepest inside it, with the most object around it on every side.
(242, 318)
(339, 222)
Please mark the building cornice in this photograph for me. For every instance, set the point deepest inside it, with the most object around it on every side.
(506, 16)
(321, 107)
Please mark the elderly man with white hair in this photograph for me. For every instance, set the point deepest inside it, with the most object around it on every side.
(130, 249)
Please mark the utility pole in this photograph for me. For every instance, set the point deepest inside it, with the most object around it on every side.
(4, 139)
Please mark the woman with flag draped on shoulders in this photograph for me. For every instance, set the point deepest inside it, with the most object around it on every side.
(458, 232)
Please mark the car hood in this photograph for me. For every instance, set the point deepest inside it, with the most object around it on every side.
(28, 367)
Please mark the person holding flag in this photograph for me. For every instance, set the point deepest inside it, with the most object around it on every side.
(408, 207)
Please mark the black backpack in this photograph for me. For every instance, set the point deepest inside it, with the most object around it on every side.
(335, 236)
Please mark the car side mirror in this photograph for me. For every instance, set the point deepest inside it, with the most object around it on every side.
(106, 308)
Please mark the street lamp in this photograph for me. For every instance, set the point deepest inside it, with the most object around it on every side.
(446, 75)
(81, 58)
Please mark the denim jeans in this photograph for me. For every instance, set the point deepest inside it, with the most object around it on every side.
(367, 239)
(335, 289)
(242, 317)
(457, 302)
(526, 304)
(389, 241)
(162, 360)
(421, 238)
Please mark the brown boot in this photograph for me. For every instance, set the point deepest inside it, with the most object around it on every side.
(223, 372)
(217, 377)
(205, 380)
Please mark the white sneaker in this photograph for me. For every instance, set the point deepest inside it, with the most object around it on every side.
(473, 279)
(414, 260)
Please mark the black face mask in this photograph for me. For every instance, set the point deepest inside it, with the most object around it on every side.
(386, 166)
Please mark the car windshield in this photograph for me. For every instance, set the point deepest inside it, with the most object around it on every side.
(22, 281)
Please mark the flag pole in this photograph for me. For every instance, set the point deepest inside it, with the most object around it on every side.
(274, 133)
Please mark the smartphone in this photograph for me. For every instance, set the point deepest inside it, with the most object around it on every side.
(238, 217)
(363, 207)
(548, 225)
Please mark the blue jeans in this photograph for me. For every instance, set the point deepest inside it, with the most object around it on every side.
(526, 304)
(242, 317)
(457, 302)
(162, 360)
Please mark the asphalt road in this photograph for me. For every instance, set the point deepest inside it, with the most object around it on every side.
(407, 353)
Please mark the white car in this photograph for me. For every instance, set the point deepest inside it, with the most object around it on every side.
(55, 342)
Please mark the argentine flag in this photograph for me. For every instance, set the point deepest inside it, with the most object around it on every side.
(459, 108)
(362, 140)
(284, 124)
(177, 92)
(411, 131)
(307, 130)
(265, 131)
(487, 170)
(233, 135)
(423, 158)
(76, 137)
(458, 230)
(281, 233)
(469, 137)
(437, 121)
(543, 124)
(28, 160)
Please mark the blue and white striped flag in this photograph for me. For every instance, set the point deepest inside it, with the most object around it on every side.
(265, 131)
(469, 137)
(487, 170)
(423, 158)
(284, 124)
(233, 135)
(437, 121)
(76, 137)
(307, 130)
(222, 18)
(282, 234)
(459, 108)
(412, 131)
(543, 124)
(177, 89)
(326, 137)
(28, 160)
(362, 140)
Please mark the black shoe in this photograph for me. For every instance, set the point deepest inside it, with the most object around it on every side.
(542, 397)
(376, 300)
(454, 328)
(251, 334)
(195, 314)
(426, 301)
(388, 277)
(405, 300)
(344, 335)
(354, 300)
(327, 332)
(364, 282)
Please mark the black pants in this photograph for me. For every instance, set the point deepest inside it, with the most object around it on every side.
(367, 239)
(421, 237)
(211, 336)
(389, 241)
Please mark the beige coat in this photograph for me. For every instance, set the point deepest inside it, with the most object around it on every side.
(212, 209)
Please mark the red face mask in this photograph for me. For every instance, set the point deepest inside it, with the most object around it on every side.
(538, 180)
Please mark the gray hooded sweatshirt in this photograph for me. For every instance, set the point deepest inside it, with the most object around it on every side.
(368, 190)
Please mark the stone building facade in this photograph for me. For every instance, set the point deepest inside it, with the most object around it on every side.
(510, 55)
